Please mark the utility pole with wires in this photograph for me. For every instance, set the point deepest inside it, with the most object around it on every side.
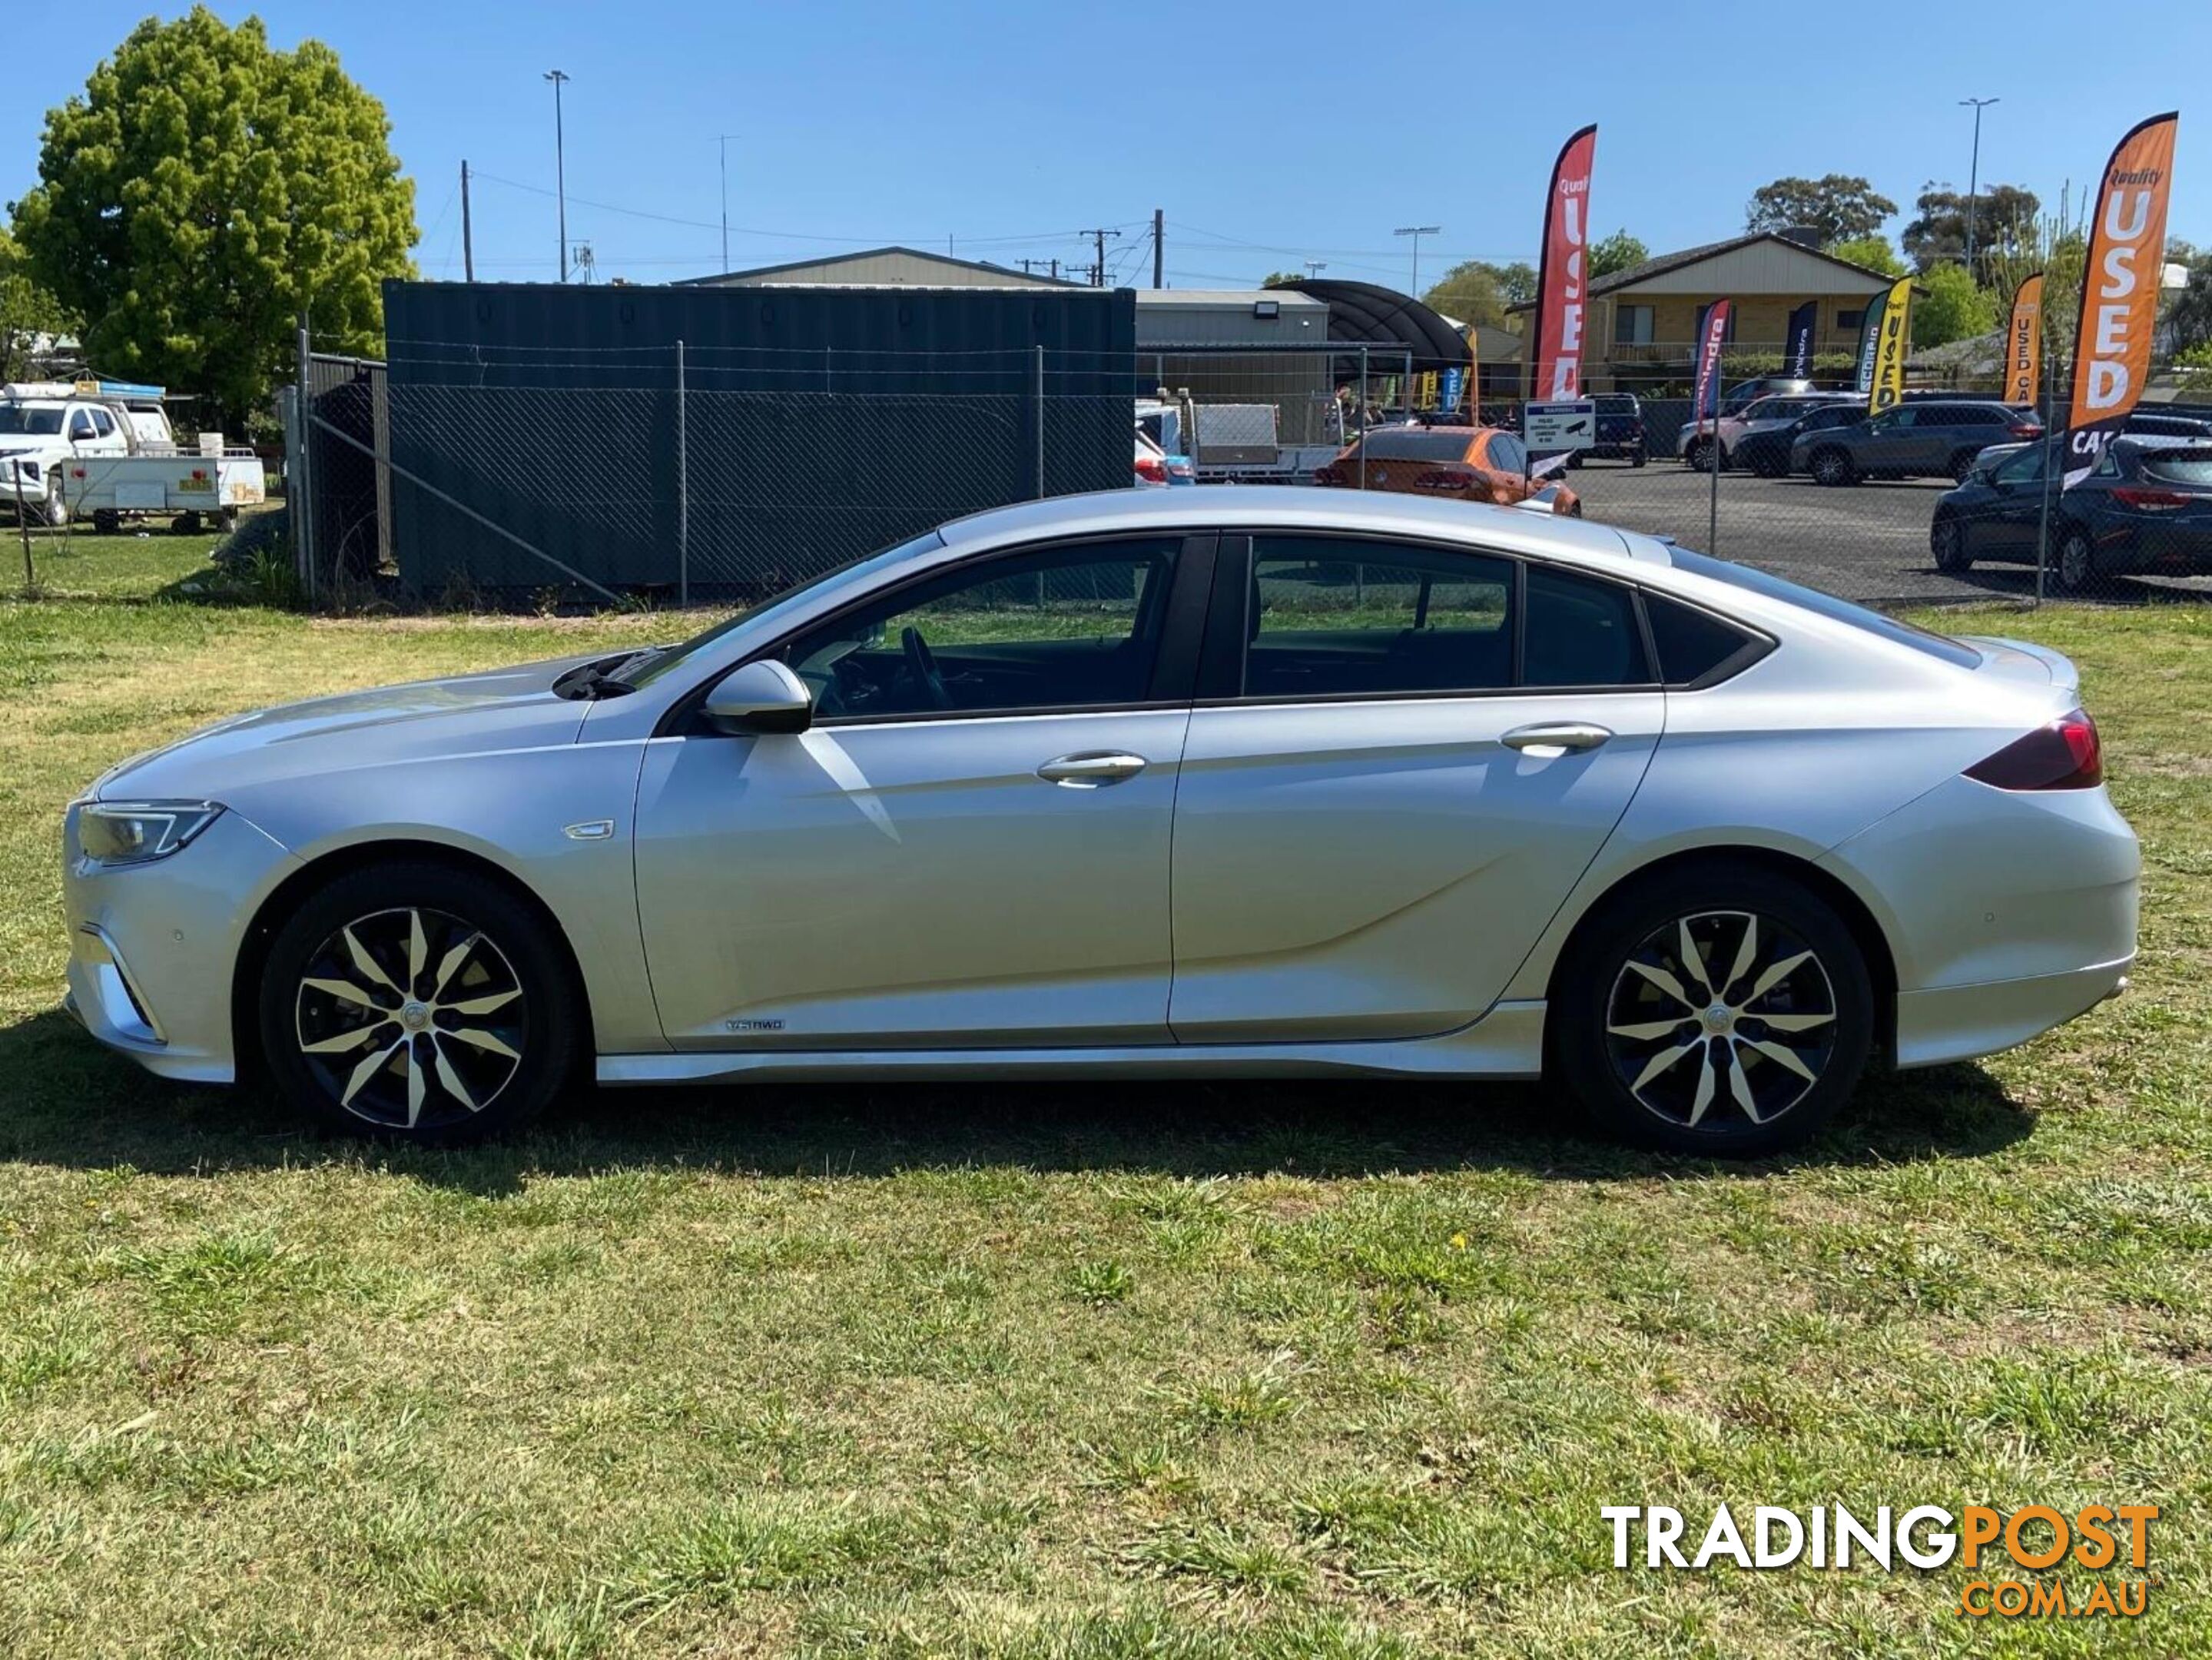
(1159, 246)
(559, 77)
(1098, 241)
(468, 236)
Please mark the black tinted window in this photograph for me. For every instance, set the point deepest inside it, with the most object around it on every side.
(1337, 618)
(1506, 455)
(1749, 577)
(1418, 444)
(1580, 633)
(1691, 643)
(2180, 466)
(1064, 628)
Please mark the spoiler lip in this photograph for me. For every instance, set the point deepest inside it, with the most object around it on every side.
(2006, 655)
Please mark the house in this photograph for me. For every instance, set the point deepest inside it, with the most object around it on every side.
(1641, 324)
(881, 268)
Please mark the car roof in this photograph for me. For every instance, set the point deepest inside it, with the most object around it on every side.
(1292, 507)
(2160, 440)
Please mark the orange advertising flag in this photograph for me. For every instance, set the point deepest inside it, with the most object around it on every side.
(2024, 342)
(2119, 291)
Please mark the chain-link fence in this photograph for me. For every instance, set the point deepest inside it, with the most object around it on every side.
(702, 477)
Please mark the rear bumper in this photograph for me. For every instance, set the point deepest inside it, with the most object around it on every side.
(1957, 1023)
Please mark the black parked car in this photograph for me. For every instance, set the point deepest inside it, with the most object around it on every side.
(1937, 437)
(1763, 446)
(1620, 429)
(2145, 508)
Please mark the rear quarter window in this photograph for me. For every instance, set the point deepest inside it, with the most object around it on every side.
(2180, 466)
(1694, 646)
(1754, 581)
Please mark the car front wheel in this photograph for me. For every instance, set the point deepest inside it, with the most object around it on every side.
(418, 1003)
(1947, 539)
(1833, 467)
(1714, 1010)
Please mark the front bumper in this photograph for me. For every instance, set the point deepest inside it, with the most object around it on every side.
(152, 947)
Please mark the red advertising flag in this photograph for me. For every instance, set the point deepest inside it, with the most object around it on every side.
(1562, 280)
(1712, 335)
(2119, 291)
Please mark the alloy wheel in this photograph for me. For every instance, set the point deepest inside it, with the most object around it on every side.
(411, 1018)
(2076, 564)
(1721, 1013)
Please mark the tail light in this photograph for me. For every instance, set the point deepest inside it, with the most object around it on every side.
(1440, 478)
(2063, 755)
(2146, 499)
(2026, 429)
(1331, 474)
(1151, 470)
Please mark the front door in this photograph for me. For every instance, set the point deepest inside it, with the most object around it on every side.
(1390, 793)
(2007, 526)
(970, 846)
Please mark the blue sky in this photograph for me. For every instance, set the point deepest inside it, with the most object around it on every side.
(1270, 134)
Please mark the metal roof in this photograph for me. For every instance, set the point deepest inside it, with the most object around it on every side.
(754, 273)
(1661, 264)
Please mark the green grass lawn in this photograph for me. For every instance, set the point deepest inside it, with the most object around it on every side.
(1338, 1370)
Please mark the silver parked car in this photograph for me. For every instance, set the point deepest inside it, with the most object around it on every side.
(1252, 782)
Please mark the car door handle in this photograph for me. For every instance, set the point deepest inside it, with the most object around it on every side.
(1090, 769)
(1547, 739)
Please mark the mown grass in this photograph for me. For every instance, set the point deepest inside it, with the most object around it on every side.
(1340, 1371)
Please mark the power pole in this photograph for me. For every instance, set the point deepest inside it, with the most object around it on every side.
(468, 234)
(1055, 268)
(1159, 245)
(1417, 232)
(1098, 240)
(560, 166)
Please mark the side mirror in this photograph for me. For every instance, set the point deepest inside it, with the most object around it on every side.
(759, 699)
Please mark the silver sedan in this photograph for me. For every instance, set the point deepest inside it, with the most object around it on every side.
(1254, 783)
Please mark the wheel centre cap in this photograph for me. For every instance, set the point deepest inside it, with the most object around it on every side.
(1720, 1019)
(415, 1017)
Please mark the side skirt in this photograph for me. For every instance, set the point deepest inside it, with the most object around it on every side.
(1506, 1042)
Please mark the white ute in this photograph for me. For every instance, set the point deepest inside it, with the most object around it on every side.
(105, 449)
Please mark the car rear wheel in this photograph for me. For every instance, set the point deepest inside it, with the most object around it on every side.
(1833, 466)
(420, 1004)
(1947, 539)
(1961, 465)
(1637, 459)
(2077, 562)
(1715, 1010)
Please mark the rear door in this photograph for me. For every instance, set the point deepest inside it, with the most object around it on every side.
(1402, 757)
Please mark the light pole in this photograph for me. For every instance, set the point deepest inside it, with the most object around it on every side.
(1417, 232)
(1974, 172)
(560, 166)
(1315, 268)
(723, 139)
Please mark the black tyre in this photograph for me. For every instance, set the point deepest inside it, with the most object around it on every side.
(1946, 540)
(1833, 466)
(107, 521)
(1961, 465)
(1714, 1009)
(2076, 570)
(186, 524)
(1637, 459)
(1699, 456)
(421, 1004)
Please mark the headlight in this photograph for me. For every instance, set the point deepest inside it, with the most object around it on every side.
(138, 832)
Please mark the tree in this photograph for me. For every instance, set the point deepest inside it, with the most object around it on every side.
(2004, 219)
(1476, 291)
(1954, 308)
(25, 311)
(203, 190)
(1617, 252)
(1274, 277)
(1839, 207)
(1874, 253)
(2188, 317)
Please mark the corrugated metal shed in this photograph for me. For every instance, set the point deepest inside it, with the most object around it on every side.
(814, 424)
(891, 267)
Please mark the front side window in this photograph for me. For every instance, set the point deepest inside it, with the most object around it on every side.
(1064, 628)
(2022, 469)
(79, 426)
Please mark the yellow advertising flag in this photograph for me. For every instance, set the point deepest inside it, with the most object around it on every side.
(1889, 348)
(2024, 342)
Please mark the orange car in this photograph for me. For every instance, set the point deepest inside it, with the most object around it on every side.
(1463, 464)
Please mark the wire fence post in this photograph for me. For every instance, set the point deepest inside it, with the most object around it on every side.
(683, 484)
(2054, 452)
(1040, 423)
(1362, 402)
(1406, 387)
(299, 485)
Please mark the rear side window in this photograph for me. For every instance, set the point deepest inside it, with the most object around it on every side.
(1342, 618)
(1580, 633)
(1755, 580)
(2192, 466)
(1692, 644)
